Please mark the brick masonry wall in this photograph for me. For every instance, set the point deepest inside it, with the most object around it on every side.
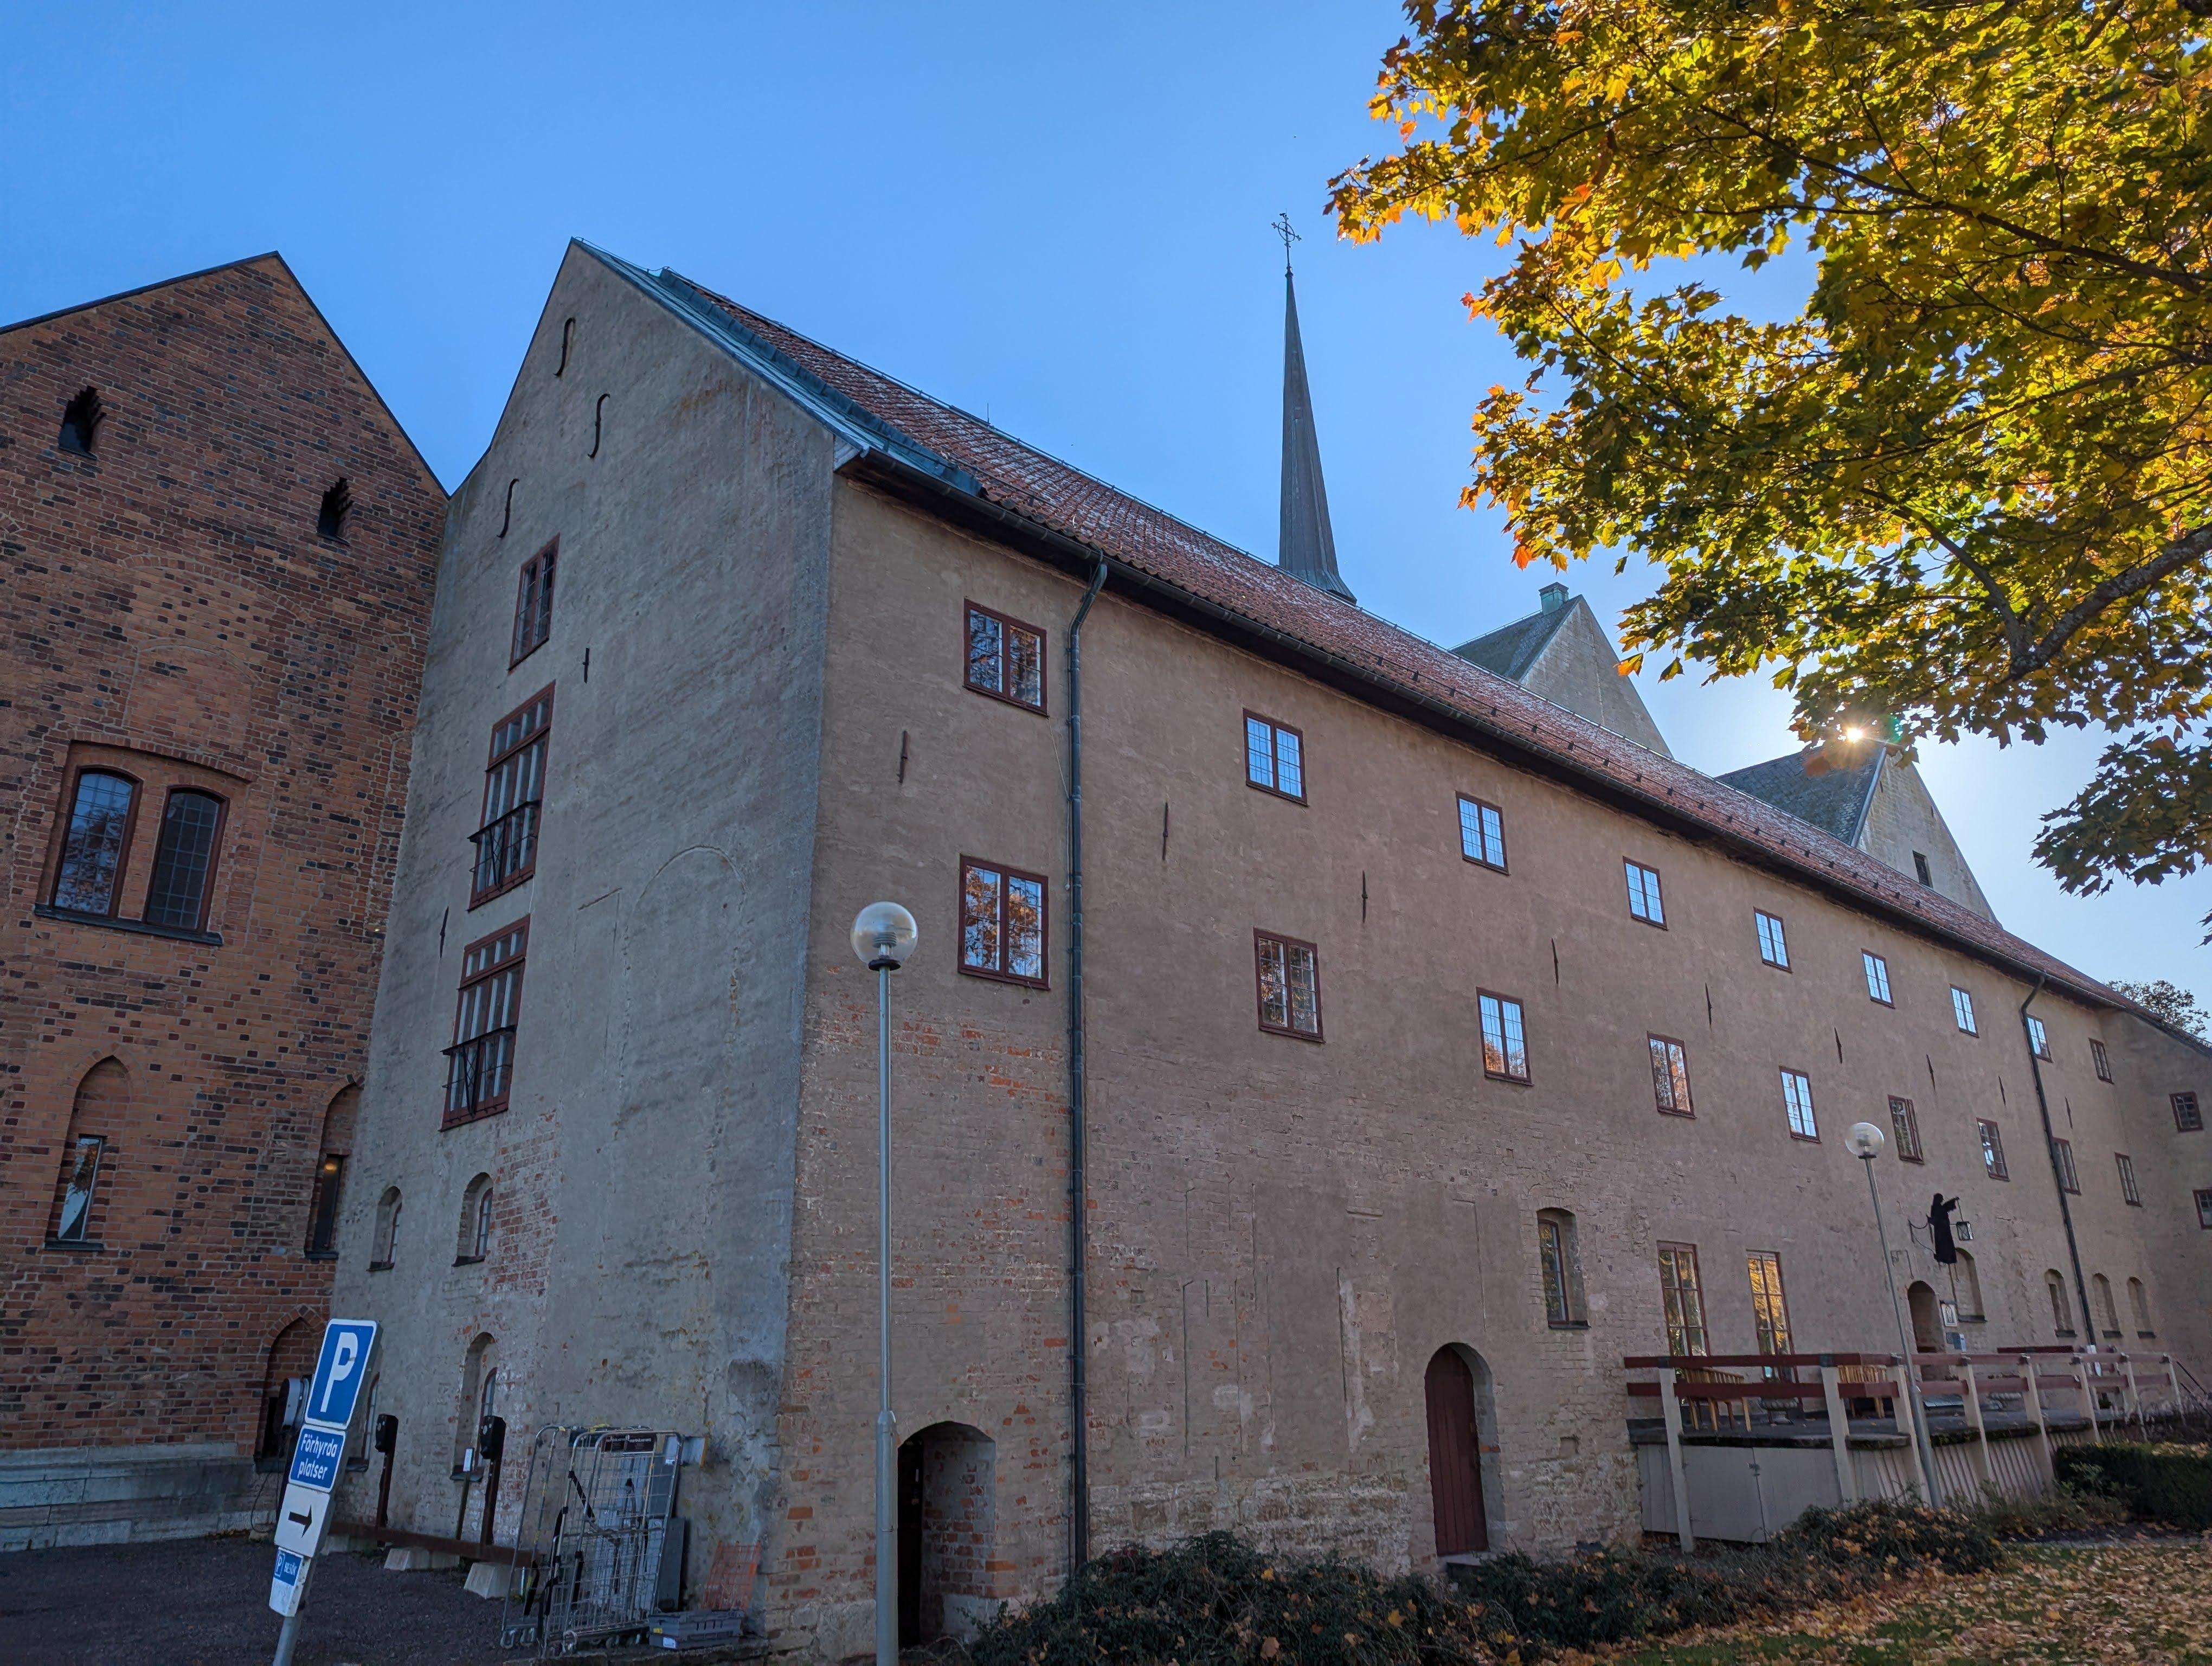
(170, 609)
(1282, 1235)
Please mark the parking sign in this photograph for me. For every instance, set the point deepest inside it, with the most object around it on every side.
(340, 1372)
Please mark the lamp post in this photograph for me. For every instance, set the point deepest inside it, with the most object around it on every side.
(1865, 1142)
(884, 937)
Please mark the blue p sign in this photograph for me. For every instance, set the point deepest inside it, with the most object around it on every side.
(341, 1370)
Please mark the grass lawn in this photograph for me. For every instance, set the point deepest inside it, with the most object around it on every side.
(2150, 1601)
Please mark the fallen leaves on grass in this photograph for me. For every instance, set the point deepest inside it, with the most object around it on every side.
(2150, 1601)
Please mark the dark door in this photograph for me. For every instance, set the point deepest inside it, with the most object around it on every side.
(1927, 1318)
(910, 1543)
(1455, 1458)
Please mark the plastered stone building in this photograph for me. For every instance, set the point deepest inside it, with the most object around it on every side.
(1377, 947)
(220, 553)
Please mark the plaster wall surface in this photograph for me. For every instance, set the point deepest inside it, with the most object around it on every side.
(1902, 819)
(1580, 669)
(641, 1170)
(1283, 1231)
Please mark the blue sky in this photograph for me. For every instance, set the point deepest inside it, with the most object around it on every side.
(1053, 216)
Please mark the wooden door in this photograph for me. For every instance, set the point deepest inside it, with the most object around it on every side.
(1454, 1457)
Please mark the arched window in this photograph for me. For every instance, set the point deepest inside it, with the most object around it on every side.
(338, 502)
(96, 841)
(329, 1172)
(96, 1118)
(479, 1394)
(1966, 1288)
(2061, 1312)
(2139, 1300)
(81, 420)
(387, 1245)
(476, 1222)
(2100, 1293)
(183, 860)
(1559, 1258)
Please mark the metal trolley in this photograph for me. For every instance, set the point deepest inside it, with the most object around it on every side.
(596, 1511)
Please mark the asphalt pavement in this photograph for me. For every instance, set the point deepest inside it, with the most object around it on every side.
(205, 1602)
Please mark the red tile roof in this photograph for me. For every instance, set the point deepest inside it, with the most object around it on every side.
(1064, 500)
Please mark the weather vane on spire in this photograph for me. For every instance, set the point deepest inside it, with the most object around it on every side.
(1282, 225)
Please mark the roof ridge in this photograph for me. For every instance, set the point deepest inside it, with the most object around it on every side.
(747, 317)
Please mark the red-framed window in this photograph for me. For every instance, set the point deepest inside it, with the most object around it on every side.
(2038, 1038)
(1877, 977)
(1274, 757)
(1504, 1036)
(1288, 972)
(513, 798)
(2100, 1059)
(1481, 833)
(533, 604)
(2129, 1190)
(1645, 902)
(1797, 1101)
(1962, 1011)
(1670, 1075)
(1904, 1122)
(1002, 923)
(2188, 1117)
(480, 1064)
(1004, 658)
(2062, 1159)
(1773, 942)
(1993, 1157)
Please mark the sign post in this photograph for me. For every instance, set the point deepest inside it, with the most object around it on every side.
(317, 1461)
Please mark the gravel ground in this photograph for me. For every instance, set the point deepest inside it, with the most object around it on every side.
(205, 1602)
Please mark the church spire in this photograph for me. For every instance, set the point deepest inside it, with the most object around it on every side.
(1306, 548)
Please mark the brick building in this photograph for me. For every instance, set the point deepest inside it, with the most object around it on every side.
(1436, 1039)
(221, 552)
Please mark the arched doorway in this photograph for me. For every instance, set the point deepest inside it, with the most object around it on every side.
(947, 1522)
(1456, 1453)
(1927, 1317)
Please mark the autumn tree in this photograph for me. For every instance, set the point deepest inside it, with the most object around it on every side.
(2170, 1001)
(1964, 489)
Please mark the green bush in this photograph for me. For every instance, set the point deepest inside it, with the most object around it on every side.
(2162, 1482)
(1216, 1601)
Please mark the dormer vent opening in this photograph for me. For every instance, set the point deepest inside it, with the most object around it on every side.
(81, 420)
(338, 503)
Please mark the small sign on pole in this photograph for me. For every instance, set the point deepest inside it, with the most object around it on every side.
(300, 1519)
(288, 1583)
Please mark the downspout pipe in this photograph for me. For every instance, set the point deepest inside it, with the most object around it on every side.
(2058, 1180)
(1078, 1411)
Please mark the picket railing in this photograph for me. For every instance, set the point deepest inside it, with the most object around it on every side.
(1738, 1395)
